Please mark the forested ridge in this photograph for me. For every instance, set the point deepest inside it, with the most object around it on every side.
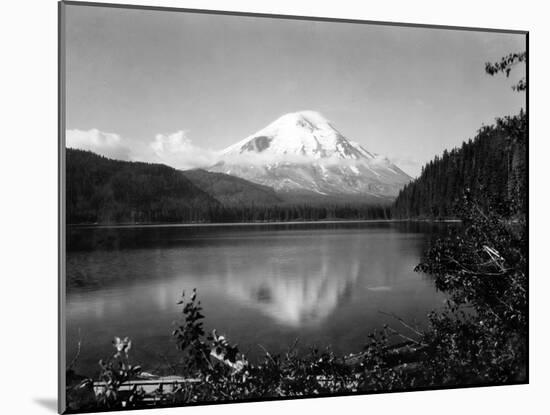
(109, 191)
(232, 190)
(492, 168)
(102, 190)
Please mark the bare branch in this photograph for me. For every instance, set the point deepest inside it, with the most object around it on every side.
(402, 322)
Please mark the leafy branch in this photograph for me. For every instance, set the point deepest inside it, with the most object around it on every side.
(505, 66)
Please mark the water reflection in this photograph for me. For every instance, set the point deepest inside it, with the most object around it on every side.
(306, 297)
(267, 285)
(307, 287)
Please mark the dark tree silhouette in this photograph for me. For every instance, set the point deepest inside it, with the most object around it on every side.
(492, 168)
(505, 66)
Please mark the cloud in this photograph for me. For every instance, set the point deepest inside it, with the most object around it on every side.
(175, 150)
(107, 144)
(178, 151)
(408, 165)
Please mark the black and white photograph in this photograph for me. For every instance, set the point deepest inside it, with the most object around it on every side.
(261, 207)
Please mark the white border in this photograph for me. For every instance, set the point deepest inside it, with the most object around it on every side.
(29, 202)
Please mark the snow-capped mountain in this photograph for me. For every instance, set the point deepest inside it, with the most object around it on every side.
(303, 152)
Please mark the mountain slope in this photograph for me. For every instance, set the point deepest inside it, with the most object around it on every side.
(302, 152)
(492, 167)
(231, 190)
(101, 190)
(107, 191)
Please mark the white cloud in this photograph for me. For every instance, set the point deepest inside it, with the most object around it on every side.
(408, 165)
(107, 144)
(175, 150)
(178, 151)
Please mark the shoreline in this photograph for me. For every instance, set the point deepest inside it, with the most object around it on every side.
(275, 223)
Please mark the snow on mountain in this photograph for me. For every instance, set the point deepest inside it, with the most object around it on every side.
(305, 133)
(303, 152)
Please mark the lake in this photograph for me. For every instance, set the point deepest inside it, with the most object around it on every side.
(323, 284)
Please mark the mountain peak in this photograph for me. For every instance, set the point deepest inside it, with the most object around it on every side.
(300, 134)
(303, 151)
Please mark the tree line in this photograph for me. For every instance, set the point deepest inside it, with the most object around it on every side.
(101, 190)
(492, 168)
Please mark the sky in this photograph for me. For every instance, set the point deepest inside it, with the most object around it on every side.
(176, 87)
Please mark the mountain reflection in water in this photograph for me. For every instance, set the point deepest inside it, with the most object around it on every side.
(258, 285)
(308, 290)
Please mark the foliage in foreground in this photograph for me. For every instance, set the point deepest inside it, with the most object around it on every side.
(484, 270)
(480, 338)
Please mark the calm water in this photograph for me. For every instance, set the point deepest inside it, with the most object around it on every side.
(321, 283)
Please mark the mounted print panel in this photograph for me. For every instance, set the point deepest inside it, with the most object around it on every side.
(259, 207)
